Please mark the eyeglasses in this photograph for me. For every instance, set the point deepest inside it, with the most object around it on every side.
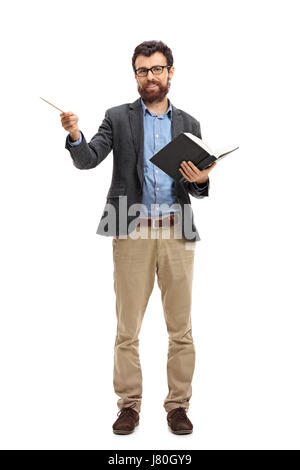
(156, 70)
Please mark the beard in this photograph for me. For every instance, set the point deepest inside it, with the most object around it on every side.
(149, 95)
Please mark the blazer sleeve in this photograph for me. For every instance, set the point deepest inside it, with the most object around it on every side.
(89, 155)
(197, 190)
(77, 142)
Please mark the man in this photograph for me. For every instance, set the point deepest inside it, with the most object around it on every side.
(161, 239)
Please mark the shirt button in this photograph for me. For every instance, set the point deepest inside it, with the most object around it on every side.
(157, 189)
(156, 171)
(157, 135)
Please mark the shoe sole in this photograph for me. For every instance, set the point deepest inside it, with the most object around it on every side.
(181, 431)
(122, 432)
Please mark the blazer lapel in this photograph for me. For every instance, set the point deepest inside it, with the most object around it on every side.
(136, 120)
(137, 131)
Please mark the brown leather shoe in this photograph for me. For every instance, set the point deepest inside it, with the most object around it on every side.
(178, 421)
(127, 421)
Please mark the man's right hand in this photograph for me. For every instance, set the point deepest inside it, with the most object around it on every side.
(69, 122)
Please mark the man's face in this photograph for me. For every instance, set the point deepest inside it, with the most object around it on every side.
(153, 87)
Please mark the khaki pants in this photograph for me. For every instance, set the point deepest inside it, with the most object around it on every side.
(135, 263)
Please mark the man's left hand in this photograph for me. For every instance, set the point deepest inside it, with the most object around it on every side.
(191, 173)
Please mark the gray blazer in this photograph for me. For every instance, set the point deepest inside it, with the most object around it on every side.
(122, 130)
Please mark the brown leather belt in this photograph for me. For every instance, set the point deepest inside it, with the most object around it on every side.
(156, 222)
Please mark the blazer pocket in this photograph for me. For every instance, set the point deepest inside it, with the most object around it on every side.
(116, 191)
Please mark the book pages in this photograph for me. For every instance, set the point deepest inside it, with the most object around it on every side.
(199, 142)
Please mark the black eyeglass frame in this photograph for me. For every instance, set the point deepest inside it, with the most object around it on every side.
(145, 68)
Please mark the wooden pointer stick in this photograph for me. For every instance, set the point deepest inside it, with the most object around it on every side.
(52, 105)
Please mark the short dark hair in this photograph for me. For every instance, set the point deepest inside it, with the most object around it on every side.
(148, 48)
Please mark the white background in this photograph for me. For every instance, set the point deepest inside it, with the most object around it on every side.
(237, 72)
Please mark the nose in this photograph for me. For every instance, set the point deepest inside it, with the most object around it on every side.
(152, 79)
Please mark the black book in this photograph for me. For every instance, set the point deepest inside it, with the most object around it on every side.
(188, 147)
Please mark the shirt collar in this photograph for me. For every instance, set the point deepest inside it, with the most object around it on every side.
(168, 112)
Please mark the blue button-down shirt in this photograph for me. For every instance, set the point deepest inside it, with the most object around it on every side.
(158, 187)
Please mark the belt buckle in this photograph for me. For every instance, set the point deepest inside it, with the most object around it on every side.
(153, 220)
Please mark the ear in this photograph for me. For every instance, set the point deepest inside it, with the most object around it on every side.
(171, 71)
